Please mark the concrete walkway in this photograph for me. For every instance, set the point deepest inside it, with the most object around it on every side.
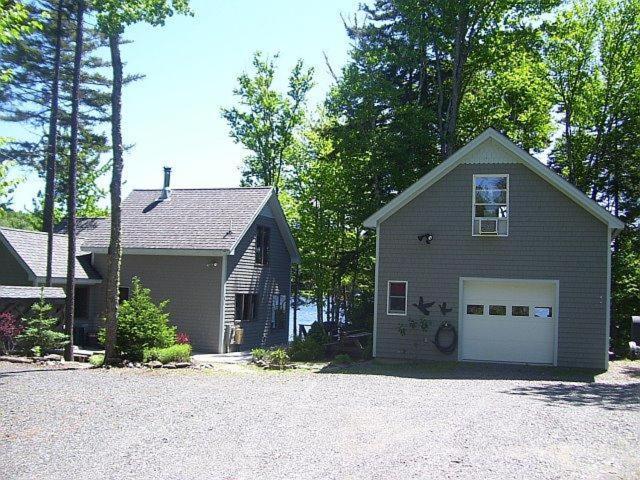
(226, 358)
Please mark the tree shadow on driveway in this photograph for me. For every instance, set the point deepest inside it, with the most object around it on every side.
(610, 396)
(464, 371)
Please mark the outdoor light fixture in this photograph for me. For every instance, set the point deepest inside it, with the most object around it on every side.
(426, 237)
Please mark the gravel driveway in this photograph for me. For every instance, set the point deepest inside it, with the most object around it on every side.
(371, 422)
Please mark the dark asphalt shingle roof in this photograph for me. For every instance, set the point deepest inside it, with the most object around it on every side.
(84, 225)
(31, 247)
(192, 219)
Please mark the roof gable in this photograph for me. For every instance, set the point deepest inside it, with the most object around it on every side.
(29, 248)
(493, 147)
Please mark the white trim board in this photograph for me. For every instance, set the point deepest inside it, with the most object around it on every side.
(525, 158)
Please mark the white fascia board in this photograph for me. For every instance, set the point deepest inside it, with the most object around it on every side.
(63, 281)
(177, 252)
(528, 160)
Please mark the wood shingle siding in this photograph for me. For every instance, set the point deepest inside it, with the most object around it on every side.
(245, 276)
(191, 283)
(550, 237)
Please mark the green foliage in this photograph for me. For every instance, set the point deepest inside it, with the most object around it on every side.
(278, 357)
(175, 353)
(307, 350)
(115, 15)
(259, 354)
(268, 120)
(96, 360)
(142, 324)
(342, 359)
(15, 23)
(317, 333)
(39, 332)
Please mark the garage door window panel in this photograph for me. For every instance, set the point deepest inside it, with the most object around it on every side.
(500, 310)
(520, 311)
(397, 298)
(474, 309)
(543, 312)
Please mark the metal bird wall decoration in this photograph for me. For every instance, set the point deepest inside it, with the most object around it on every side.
(423, 307)
(444, 309)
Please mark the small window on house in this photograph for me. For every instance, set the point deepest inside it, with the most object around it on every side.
(397, 298)
(262, 245)
(491, 205)
(246, 306)
(543, 312)
(123, 294)
(279, 319)
(497, 310)
(520, 311)
(475, 309)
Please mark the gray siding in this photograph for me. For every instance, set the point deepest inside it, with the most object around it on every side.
(244, 276)
(11, 272)
(192, 284)
(550, 237)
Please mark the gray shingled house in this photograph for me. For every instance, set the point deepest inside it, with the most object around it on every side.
(500, 251)
(221, 256)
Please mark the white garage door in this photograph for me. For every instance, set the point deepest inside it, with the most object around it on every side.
(508, 321)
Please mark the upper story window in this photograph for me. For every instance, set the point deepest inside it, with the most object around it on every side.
(262, 245)
(491, 205)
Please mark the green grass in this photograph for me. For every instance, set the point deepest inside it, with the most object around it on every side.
(176, 353)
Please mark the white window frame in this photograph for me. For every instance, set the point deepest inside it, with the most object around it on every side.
(473, 206)
(406, 297)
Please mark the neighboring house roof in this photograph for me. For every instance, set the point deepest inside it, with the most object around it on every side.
(191, 221)
(49, 293)
(531, 162)
(30, 250)
(84, 225)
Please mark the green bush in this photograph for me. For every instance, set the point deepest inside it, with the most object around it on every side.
(142, 324)
(307, 350)
(39, 332)
(259, 354)
(342, 359)
(180, 352)
(278, 357)
(96, 360)
(318, 334)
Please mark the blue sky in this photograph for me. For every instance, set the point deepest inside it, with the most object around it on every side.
(172, 117)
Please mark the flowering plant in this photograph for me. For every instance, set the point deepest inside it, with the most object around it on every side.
(10, 328)
(182, 338)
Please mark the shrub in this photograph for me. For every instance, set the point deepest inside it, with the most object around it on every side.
(180, 352)
(259, 354)
(182, 338)
(10, 328)
(307, 350)
(39, 332)
(142, 324)
(278, 357)
(318, 334)
(96, 359)
(342, 359)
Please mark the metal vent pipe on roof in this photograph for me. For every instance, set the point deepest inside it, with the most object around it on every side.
(166, 191)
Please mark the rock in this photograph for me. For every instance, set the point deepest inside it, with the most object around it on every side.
(169, 365)
(182, 364)
(52, 357)
(9, 358)
(154, 364)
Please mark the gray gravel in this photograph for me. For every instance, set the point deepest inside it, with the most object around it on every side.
(373, 422)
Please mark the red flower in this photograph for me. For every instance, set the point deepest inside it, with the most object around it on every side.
(182, 338)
